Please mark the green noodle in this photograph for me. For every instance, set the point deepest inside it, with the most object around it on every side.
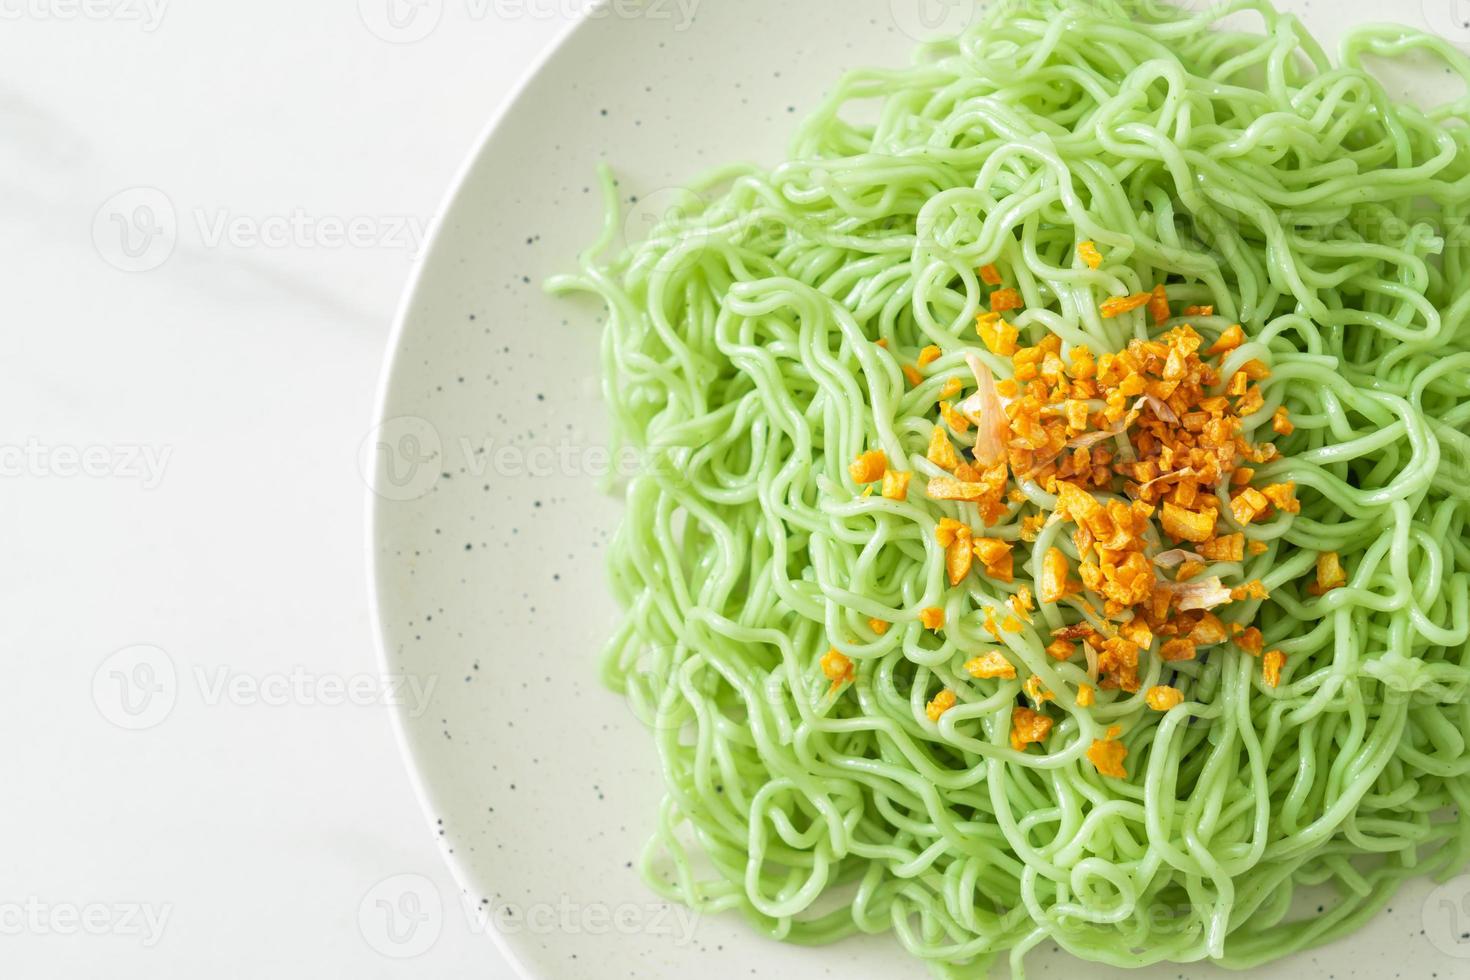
(1242, 169)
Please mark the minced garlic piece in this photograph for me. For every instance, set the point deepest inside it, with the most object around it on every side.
(1060, 649)
(942, 702)
(929, 355)
(1231, 338)
(896, 484)
(1230, 547)
(1158, 310)
(1330, 574)
(1283, 497)
(932, 617)
(990, 275)
(947, 488)
(1254, 589)
(1054, 584)
(957, 423)
(941, 451)
(1164, 698)
(1188, 525)
(1208, 631)
(1255, 369)
(1136, 631)
(1118, 305)
(912, 374)
(959, 556)
(879, 626)
(1248, 505)
(998, 336)
(1021, 604)
(1271, 666)
(951, 388)
(996, 556)
(1076, 504)
(1188, 570)
(1281, 422)
(1179, 648)
(836, 667)
(990, 665)
(945, 531)
(1005, 299)
(991, 626)
(1085, 696)
(1088, 253)
(868, 467)
(1107, 754)
(1028, 726)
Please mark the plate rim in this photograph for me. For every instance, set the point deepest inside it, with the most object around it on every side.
(408, 747)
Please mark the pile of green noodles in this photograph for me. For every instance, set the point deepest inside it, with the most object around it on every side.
(1240, 167)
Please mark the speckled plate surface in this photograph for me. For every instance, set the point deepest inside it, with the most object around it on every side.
(488, 527)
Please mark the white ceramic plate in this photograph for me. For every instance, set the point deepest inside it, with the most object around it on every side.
(488, 528)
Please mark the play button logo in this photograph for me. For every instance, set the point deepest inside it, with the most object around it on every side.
(401, 21)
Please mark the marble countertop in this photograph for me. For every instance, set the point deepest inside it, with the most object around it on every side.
(211, 211)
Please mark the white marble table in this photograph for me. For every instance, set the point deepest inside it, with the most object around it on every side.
(210, 210)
